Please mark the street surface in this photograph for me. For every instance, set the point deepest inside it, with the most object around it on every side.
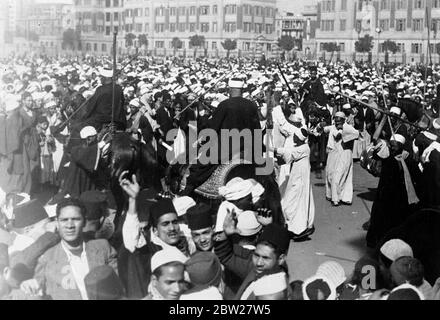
(339, 235)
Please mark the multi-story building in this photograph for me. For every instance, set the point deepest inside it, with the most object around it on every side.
(250, 22)
(310, 14)
(96, 21)
(48, 20)
(402, 21)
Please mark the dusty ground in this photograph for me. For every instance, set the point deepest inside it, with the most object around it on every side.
(339, 235)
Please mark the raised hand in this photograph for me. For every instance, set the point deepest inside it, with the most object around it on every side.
(132, 187)
(230, 223)
(264, 216)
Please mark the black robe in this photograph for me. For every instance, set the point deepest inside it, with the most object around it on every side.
(390, 208)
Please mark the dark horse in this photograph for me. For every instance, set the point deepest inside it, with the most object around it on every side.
(129, 154)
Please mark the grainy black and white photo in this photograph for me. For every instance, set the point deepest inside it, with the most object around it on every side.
(219, 150)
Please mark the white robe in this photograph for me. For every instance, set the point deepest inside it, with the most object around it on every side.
(296, 190)
(339, 169)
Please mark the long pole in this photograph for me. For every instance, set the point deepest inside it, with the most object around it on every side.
(115, 34)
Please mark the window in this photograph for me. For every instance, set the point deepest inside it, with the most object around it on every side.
(268, 28)
(416, 48)
(159, 27)
(343, 25)
(342, 47)
(147, 12)
(95, 47)
(400, 24)
(107, 31)
(247, 27)
(115, 3)
(181, 11)
(138, 27)
(327, 25)
(159, 44)
(384, 24)
(192, 27)
(108, 17)
(172, 27)
(204, 10)
(419, 4)
(400, 47)
(230, 26)
(401, 4)
(328, 6)
(214, 9)
(214, 27)
(204, 27)
(108, 3)
(343, 5)
(214, 45)
(159, 12)
(182, 27)
(173, 11)
(147, 27)
(88, 47)
(258, 28)
(115, 16)
(384, 4)
(417, 25)
(436, 4)
(104, 47)
(231, 9)
(246, 10)
(192, 11)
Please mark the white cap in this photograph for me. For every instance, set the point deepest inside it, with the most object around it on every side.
(106, 73)
(395, 248)
(135, 103)
(166, 256)
(248, 223)
(332, 271)
(182, 204)
(430, 135)
(236, 83)
(396, 110)
(270, 284)
(88, 131)
(399, 138)
(346, 106)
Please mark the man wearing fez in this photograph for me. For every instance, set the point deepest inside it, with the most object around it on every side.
(234, 113)
(145, 233)
(61, 270)
(268, 258)
(201, 226)
(99, 111)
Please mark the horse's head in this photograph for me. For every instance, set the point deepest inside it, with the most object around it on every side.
(128, 154)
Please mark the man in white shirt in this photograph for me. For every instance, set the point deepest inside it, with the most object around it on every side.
(61, 270)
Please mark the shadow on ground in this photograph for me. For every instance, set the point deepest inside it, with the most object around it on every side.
(369, 195)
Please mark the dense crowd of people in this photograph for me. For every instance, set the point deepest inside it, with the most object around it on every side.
(130, 216)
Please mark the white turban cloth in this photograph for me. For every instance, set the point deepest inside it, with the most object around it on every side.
(239, 188)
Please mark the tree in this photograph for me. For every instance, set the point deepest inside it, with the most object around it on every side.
(177, 44)
(389, 46)
(364, 44)
(287, 43)
(330, 47)
(143, 41)
(229, 45)
(70, 39)
(129, 37)
(196, 41)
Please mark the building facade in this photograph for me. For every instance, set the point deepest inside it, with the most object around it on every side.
(403, 21)
(250, 22)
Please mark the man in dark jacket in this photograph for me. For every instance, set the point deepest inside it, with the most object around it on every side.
(99, 109)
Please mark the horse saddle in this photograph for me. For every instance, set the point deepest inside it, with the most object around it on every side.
(221, 175)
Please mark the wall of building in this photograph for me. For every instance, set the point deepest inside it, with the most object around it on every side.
(389, 15)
